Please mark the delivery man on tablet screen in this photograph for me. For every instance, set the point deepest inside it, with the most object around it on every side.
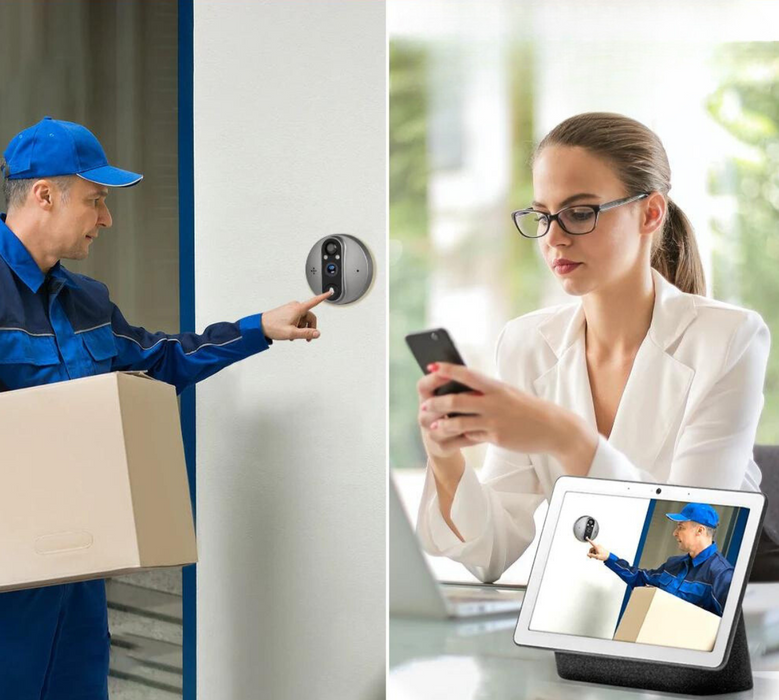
(701, 576)
(56, 325)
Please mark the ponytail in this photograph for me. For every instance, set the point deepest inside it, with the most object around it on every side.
(675, 255)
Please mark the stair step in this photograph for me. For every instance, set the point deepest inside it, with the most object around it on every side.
(122, 623)
(150, 652)
(129, 669)
(157, 604)
(124, 689)
(166, 579)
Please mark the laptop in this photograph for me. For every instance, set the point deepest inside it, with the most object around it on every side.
(414, 590)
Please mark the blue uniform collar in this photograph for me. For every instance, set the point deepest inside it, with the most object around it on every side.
(705, 554)
(12, 250)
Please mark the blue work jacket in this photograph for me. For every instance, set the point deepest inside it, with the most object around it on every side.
(63, 325)
(703, 581)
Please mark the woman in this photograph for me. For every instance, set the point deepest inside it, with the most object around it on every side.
(642, 379)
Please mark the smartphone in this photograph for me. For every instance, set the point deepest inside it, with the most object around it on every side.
(436, 346)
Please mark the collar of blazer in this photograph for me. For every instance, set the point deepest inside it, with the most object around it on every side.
(657, 387)
(673, 312)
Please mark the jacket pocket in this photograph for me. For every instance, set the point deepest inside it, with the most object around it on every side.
(663, 580)
(20, 348)
(100, 344)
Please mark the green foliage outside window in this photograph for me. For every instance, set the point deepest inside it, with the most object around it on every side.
(746, 247)
(522, 274)
(409, 245)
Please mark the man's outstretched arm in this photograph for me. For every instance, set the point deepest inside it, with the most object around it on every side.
(631, 575)
(182, 359)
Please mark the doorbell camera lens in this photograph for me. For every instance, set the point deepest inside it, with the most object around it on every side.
(340, 262)
(658, 490)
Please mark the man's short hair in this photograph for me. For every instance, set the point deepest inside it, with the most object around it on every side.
(710, 531)
(16, 191)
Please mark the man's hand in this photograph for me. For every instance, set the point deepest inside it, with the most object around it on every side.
(597, 551)
(294, 320)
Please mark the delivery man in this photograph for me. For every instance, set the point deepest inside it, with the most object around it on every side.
(56, 325)
(701, 576)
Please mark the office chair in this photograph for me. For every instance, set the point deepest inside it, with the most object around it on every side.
(766, 566)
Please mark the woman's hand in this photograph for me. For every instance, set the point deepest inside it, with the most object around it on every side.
(506, 417)
(499, 413)
(437, 443)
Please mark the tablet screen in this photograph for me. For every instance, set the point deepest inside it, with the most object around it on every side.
(639, 570)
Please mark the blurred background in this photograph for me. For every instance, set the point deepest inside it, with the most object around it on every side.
(475, 85)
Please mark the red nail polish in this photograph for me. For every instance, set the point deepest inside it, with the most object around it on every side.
(433, 367)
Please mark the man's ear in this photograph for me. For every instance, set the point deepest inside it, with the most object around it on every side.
(42, 193)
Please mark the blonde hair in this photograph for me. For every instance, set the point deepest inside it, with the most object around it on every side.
(640, 162)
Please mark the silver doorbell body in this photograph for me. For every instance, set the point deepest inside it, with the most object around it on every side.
(342, 263)
(585, 527)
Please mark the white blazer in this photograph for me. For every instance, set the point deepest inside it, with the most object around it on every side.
(688, 415)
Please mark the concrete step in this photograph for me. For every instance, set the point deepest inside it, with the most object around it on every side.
(123, 623)
(145, 618)
(168, 579)
(148, 602)
(147, 664)
(124, 689)
(142, 675)
(148, 652)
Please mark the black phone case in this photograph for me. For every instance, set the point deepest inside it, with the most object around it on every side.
(428, 350)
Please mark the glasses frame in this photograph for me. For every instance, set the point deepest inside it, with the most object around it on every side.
(596, 208)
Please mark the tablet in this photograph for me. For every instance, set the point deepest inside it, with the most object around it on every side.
(651, 600)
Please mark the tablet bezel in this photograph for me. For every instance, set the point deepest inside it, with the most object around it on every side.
(753, 500)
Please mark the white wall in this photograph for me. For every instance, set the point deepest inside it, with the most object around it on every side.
(290, 145)
(579, 595)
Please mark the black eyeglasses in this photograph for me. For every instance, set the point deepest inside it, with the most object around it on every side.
(576, 220)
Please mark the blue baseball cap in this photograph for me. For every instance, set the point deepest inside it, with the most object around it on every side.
(52, 148)
(698, 513)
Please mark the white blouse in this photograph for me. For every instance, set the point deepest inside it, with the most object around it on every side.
(688, 415)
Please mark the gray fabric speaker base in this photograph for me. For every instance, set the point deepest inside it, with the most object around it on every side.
(734, 677)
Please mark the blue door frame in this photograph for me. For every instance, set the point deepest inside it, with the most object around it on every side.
(186, 179)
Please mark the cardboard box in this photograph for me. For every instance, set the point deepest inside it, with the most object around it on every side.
(653, 616)
(93, 481)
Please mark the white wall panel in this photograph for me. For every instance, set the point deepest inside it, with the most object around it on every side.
(290, 145)
(579, 595)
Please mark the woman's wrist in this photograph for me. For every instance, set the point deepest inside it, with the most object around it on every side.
(447, 472)
(575, 443)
